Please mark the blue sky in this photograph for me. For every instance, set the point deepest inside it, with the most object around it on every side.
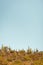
(21, 23)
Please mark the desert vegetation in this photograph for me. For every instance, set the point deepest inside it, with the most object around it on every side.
(20, 57)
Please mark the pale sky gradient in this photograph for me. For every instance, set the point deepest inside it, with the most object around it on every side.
(21, 23)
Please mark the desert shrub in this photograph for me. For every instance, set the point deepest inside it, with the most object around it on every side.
(17, 62)
(38, 62)
(27, 58)
(22, 52)
(9, 59)
(3, 61)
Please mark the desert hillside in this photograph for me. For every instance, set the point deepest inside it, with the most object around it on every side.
(20, 57)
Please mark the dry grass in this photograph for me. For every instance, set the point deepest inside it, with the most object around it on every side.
(21, 57)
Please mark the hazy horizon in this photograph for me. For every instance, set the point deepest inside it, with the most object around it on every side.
(21, 24)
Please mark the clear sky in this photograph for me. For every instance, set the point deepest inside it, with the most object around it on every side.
(21, 23)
